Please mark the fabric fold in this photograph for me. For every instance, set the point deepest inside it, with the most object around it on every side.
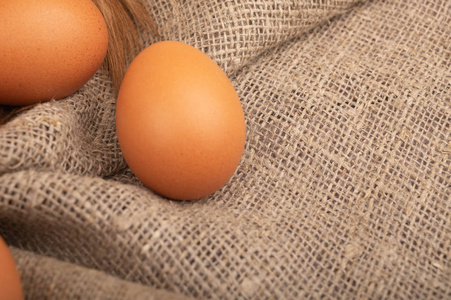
(46, 278)
(234, 33)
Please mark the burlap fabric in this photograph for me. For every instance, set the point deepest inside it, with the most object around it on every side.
(342, 192)
(47, 278)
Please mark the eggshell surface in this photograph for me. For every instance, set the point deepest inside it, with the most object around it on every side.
(10, 284)
(48, 49)
(180, 123)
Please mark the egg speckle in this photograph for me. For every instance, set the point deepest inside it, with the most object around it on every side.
(49, 49)
(179, 121)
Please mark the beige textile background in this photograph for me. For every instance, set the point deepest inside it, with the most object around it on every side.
(343, 190)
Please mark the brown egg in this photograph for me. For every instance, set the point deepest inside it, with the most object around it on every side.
(179, 121)
(10, 285)
(48, 49)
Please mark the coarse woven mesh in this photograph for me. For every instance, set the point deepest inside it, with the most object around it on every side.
(342, 192)
(45, 272)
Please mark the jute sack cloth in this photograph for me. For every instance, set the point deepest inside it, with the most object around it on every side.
(342, 192)
(48, 278)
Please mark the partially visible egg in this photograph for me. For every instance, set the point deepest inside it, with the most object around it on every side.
(179, 121)
(10, 284)
(48, 49)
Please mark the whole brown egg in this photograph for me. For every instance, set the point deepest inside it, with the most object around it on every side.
(48, 49)
(180, 124)
(10, 284)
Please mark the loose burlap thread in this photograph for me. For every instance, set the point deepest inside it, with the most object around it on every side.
(342, 192)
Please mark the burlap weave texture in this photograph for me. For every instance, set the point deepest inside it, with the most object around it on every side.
(342, 192)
